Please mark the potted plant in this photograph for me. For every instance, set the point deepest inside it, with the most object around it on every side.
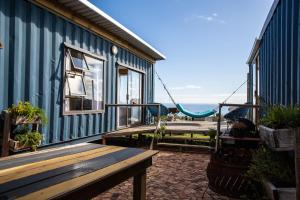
(25, 113)
(277, 127)
(25, 138)
(274, 172)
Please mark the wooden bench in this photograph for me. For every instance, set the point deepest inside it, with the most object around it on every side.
(77, 172)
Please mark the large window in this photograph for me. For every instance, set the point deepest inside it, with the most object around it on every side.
(84, 78)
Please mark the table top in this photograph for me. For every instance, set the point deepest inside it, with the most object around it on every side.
(51, 173)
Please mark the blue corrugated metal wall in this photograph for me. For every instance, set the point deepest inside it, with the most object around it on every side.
(31, 68)
(279, 56)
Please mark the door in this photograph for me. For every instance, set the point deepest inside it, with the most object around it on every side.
(129, 92)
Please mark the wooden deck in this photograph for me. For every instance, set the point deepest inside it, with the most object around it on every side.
(176, 127)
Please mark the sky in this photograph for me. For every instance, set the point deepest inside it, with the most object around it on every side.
(206, 42)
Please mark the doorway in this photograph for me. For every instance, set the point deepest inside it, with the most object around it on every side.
(129, 92)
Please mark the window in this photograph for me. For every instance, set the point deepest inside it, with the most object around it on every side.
(83, 88)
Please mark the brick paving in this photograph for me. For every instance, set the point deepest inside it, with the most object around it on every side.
(174, 175)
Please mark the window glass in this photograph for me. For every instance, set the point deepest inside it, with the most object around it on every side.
(84, 82)
(78, 60)
(76, 85)
(94, 82)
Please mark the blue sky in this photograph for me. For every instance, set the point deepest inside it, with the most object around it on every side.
(206, 42)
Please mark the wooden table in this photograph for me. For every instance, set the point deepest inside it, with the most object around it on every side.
(76, 172)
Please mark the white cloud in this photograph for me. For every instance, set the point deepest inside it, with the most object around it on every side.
(186, 87)
(208, 18)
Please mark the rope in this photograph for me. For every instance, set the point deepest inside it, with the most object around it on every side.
(165, 87)
(234, 92)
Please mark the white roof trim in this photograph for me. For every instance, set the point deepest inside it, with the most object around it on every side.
(116, 28)
(254, 50)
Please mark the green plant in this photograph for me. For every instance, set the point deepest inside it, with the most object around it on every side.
(274, 166)
(29, 138)
(279, 117)
(162, 130)
(25, 109)
(212, 134)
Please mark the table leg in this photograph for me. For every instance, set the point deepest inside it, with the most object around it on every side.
(139, 186)
(103, 140)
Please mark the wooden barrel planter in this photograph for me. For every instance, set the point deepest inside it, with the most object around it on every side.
(226, 179)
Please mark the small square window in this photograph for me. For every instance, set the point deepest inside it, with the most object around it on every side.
(78, 60)
(76, 85)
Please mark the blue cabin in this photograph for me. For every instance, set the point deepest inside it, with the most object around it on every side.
(71, 59)
(274, 62)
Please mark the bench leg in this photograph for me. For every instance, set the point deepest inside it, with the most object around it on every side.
(103, 140)
(139, 186)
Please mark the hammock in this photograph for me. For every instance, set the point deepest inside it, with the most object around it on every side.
(183, 110)
(195, 114)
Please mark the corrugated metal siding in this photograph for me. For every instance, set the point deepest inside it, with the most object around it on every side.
(31, 68)
(279, 56)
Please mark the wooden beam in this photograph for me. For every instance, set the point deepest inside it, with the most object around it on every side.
(60, 10)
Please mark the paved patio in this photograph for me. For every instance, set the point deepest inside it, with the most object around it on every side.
(174, 175)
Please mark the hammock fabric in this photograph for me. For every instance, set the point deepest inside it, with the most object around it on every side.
(195, 114)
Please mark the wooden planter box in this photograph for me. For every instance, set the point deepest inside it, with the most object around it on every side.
(15, 146)
(275, 193)
(23, 120)
(277, 139)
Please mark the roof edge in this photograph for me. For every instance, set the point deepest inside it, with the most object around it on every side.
(254, 50)
(269, 17)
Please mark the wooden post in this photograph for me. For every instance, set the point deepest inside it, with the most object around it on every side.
(156, 129)
(219, 128)
(297, 161)
(6, 135)
(139, 186)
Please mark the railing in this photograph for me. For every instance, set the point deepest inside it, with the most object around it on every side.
(143, 105)
(137, 105)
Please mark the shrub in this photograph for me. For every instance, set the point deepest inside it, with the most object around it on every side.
(29, 138)
(25, 109)
(273, 166)
(279, 117)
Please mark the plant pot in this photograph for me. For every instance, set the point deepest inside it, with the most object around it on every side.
(227, 179)
(277, 139)
(278, 193)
